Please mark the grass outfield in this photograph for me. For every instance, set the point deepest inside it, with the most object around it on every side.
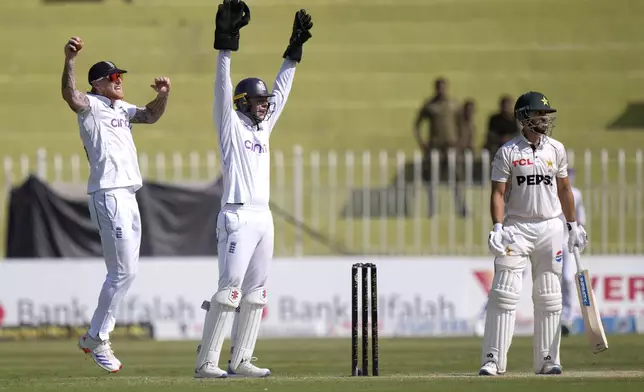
(365, 72)
(367, 69)
(324, 365)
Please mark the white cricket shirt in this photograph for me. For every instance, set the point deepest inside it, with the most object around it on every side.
(107, 137)
(244, 146)
(531, 175)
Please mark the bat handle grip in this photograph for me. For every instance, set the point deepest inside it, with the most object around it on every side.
(575, 251)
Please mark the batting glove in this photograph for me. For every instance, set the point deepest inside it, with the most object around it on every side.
(499, 239)
(576, 237)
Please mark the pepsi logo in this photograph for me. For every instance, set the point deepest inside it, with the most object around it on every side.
(559, 257)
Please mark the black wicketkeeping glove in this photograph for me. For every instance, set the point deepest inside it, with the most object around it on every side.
(232, 15)
(300, 35)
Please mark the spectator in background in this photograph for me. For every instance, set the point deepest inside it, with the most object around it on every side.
(502, 126)
(466, 127)
(442, 113)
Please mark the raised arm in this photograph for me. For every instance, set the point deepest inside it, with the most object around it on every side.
(231, 17)
(153, 111)
(223, 110)
(302, 25)
(76, 100)
(282, 87)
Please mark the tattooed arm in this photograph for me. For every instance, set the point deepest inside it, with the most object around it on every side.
(152, 112)
(76, 100)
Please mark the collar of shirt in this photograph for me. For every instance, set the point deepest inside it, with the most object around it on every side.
(251, 123)
(542, 140)
(105, 100)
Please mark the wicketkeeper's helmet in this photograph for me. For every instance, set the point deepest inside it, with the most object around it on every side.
(251, 88)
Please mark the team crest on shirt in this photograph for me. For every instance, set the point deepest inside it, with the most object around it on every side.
(559, 256)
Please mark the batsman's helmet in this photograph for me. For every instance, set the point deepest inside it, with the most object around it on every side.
(534, 112)
(251, 88)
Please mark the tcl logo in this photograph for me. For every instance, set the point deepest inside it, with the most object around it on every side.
(619, 288)
(534, 179)
(522, 162)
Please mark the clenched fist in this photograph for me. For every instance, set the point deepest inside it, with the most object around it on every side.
(73, 46)
(161, 85)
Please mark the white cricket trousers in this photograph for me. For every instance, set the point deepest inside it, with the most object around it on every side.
(568, 282)
(115, 212)
(537, 244)
(245, 237)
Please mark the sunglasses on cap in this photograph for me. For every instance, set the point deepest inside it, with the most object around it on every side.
(112, 77)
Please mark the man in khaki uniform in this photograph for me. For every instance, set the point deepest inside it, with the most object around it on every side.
(442, 113)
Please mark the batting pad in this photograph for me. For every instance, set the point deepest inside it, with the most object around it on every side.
(501, 315)
(546, 295)
(249, 318)
(217, 323)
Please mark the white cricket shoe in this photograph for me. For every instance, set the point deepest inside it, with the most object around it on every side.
(550, 368)
(210, 370)
(489, 369)
(101, 352)
(247, 369)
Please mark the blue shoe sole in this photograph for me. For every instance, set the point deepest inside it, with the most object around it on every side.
(554, 370)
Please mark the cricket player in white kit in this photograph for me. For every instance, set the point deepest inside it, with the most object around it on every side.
(245, 223)
(568, 292)
(104, 120)
(530, 188)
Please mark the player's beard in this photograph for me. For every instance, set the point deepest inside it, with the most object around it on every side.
(115, 91)
(259, 115)
(541, 125)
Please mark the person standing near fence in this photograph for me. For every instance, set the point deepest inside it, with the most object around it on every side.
(245, 223)
(442, 113)
(105, 122)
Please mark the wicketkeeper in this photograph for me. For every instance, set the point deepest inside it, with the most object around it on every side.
(245, 223)
(530, 188)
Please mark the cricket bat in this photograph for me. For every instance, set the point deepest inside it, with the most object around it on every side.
(589, 309)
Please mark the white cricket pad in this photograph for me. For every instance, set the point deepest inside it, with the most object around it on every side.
(217, 324)
(250, 316)
(546, 295)
(233, 333)
(501, 315)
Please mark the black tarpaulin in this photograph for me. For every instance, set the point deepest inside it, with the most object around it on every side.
(176, 221)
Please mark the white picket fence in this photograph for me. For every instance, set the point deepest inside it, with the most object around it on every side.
(367, 202)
